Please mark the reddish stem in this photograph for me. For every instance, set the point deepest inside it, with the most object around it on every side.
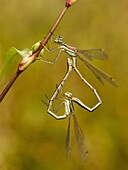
(9, 85)
(45, 40)
(4, 92)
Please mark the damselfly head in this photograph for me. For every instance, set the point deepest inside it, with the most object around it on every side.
(59, 40)
(68, 95)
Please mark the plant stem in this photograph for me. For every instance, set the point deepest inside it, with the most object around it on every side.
(51, 31)
(35, 54)
(4, 92)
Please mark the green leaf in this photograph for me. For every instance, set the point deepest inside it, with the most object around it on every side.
(23, 52)
(9, 56)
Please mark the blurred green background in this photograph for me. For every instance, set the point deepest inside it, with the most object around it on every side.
(30, 139)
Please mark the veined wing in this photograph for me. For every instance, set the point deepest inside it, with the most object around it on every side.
(98, 72)
(68, 137)
(91, 54)
(79, 139)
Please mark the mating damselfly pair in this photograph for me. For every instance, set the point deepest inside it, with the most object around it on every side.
(68, 98)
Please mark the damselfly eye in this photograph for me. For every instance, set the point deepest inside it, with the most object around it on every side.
(59, 40)
(68, 94)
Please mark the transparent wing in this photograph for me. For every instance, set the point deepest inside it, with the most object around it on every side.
(91, 54)
(79, 139)
(68, 138)
(99, 73)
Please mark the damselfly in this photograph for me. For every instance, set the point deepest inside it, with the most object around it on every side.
(89, 54)
(67, 101)
(69, 111)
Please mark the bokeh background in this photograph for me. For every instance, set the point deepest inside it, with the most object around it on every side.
(30, 139)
